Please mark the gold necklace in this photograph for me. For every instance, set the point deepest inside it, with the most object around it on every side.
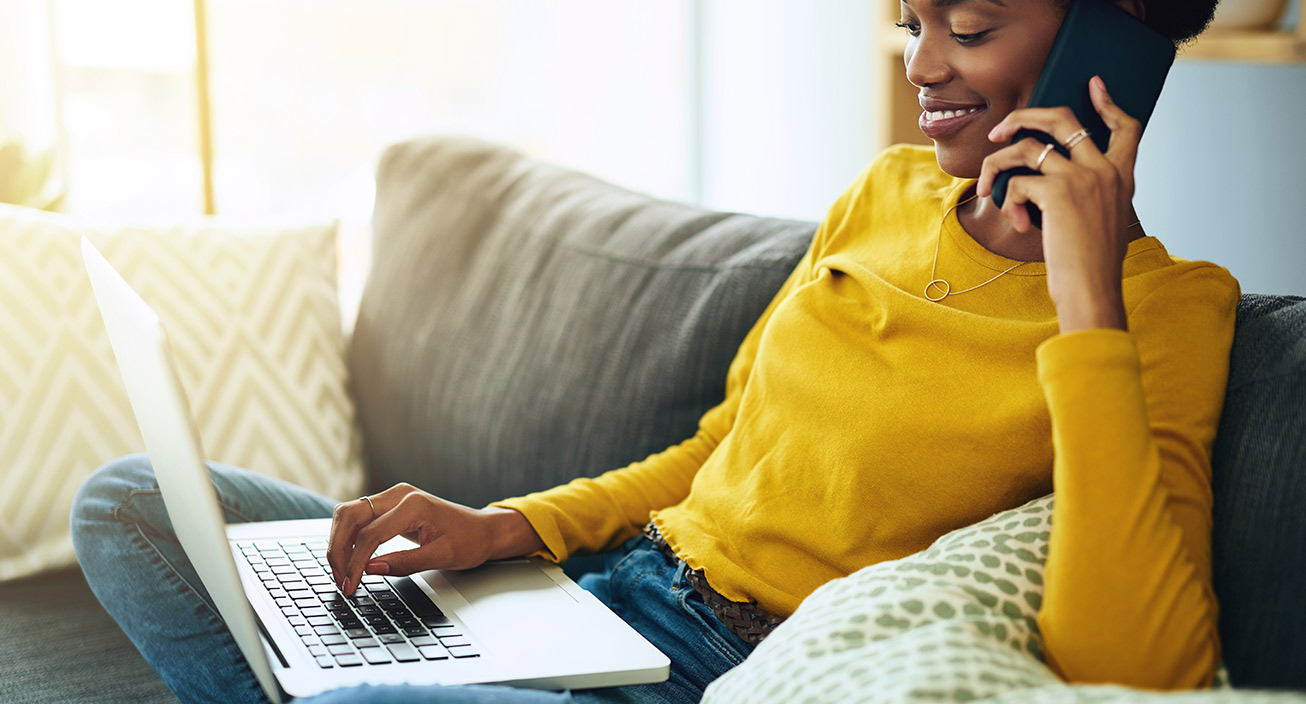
(941, 284)
(946, 287)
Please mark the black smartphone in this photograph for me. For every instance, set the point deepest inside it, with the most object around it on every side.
(1096, 39)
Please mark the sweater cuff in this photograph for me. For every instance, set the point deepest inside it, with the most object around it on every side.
(1071, 358)
(537, 514)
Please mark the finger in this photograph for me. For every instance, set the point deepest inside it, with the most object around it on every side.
(1013, 208)
(1126, 131)
(1060, 122)
(405, 562)
(349, 517)
(346, 519)
(1023, 153)
(389, 524)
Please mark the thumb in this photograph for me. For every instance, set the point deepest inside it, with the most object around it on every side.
(400, 563)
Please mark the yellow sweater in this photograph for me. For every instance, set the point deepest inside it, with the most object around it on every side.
(862, 421)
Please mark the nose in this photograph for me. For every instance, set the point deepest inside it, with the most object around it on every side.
(926, 61)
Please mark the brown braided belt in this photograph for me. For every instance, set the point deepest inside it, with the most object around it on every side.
(747, 620)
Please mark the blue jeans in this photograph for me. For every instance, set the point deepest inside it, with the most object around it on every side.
(137, 569)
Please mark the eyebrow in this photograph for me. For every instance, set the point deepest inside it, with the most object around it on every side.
(950, 3)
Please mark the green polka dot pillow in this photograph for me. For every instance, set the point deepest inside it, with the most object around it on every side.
(954, 622)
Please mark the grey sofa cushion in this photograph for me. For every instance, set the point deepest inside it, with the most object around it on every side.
(1259, 483)
(61, 646)
(525, 324)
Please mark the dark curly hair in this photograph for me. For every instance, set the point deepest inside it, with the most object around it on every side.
(1178, 20)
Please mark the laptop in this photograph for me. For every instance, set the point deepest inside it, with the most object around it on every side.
(515, 622)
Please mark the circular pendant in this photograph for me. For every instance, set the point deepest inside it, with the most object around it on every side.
(940, 285)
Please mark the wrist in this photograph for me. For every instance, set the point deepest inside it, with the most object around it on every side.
(510, 534)
(1088, 311)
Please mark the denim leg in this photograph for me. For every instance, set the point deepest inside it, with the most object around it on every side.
(650, 594)
(137, 569)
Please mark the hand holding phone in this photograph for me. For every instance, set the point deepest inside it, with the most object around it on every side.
(1096, 38)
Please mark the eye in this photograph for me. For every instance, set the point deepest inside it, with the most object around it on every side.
(912, 29)
(965, 39)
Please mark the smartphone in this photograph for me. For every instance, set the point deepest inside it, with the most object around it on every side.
(1097, 38)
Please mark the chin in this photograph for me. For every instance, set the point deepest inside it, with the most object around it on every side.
(957, 165)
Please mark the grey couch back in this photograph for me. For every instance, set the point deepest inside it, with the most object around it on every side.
(525, 324)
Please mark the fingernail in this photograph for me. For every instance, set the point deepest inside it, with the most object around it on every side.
(377, 567)
(345, 588)
(1101, 85)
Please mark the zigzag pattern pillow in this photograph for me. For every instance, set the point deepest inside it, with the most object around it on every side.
(254, 323)
(954, 622)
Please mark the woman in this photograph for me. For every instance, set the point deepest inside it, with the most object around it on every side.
(900, 385)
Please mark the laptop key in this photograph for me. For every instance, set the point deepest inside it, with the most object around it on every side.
(390, 638)
(403, 652)
(325, 663)
(349, 660)
(463, 651)
(327, 631)
(358, 633)
(336, 639)
(415, 597)
(321, 621)
(366, 643)
(376, 656)
(303, 630)
(317, 651)
(340, 649)
(433, 652)
(440, 621)
(414, 631)
(453, 642)
(424, 640)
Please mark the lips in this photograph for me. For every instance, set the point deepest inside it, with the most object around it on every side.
(940, 121)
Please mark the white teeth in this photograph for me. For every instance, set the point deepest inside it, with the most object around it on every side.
(949, 114)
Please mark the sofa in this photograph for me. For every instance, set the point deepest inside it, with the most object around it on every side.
(524, 324)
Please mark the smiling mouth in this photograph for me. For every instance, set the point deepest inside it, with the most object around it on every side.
(948, 114)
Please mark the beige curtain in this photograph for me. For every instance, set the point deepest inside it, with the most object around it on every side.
(30, 172)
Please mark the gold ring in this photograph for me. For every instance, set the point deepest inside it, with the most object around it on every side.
(368, 499)
(1038, 165)
(1076, 138)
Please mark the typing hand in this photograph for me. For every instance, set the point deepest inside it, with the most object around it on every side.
(448, 535)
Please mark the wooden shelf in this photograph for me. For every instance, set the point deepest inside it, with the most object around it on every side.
(1262, 47)
(899, 109)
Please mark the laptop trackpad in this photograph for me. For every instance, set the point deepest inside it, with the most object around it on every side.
(505, 585)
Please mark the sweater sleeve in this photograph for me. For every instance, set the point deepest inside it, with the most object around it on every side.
(599, 514)
(1128, 596)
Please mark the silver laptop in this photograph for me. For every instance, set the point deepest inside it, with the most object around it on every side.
(515, 622)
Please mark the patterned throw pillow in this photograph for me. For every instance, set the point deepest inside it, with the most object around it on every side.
(955, 622)
(254, 323)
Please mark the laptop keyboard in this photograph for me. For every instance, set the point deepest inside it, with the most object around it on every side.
(387, 620)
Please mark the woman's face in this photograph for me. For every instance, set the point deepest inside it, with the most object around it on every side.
(978, 59)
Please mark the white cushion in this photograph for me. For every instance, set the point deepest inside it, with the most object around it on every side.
(254, 323)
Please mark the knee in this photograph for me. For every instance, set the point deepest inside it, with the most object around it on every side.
(109, 487)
